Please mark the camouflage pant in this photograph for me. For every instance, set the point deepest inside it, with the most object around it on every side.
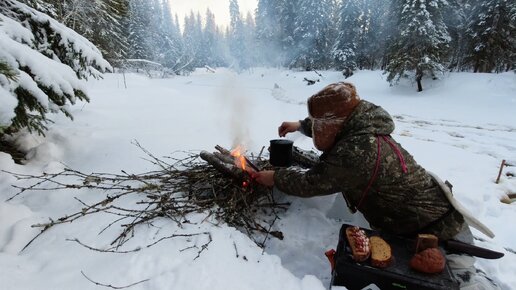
(463, 267)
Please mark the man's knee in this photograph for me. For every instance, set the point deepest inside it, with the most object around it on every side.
(469, 277)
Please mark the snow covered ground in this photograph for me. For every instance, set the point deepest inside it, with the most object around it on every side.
(460, 127)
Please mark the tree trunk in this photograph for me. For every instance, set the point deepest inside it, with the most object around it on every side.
(419, 85)
(419, 77)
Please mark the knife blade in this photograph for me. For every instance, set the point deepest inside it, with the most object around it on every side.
(461, 247)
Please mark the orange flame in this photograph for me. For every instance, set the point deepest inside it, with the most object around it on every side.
(239, 157)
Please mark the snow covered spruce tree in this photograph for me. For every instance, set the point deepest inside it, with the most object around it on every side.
(491, 36)
(42, 63)
(249, 37)
(287, 10)
(374, 33)
(313, 26)
(100, 21)
(109, 32)
(420, 43)
(212, 46)
(138, 23)
(269, 32)
(456, 17)
(171, 45)
(192, 38)
(156, 32)
(236, 37)
(345, 46)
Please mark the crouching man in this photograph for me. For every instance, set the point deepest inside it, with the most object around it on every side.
(375, 175)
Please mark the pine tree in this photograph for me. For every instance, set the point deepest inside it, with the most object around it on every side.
(513, 25)
(183, 60)
(311, 35)
(100, 21)
(201, 59)
(421, 42)
(41, 64)
(374, 33)
(44, 6)
(138, 21)
(287, 10)
(172, 50)
(345, 48)
(236, 38)
(192, 35)
(108, 31)
(456, 19)
(212, 42)
(491, 34)
(249, 29)
(268, 32)
(7, 100)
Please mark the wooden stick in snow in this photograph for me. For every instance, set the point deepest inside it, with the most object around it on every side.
(500, 172)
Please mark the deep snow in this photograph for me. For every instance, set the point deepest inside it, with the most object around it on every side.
(460, 127)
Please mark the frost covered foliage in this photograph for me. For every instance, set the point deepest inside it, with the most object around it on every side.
(363, 29)
(344, 49)
(421, 40)
(312, 35)
(42, 63)
(491, 34)
(275, 25)
(101, 21)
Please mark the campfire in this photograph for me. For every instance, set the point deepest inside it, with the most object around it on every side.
(222, 190)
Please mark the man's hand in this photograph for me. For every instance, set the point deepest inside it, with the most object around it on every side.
(265, 177)
(288, 127)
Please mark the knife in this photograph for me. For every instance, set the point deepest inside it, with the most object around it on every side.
(461, 247)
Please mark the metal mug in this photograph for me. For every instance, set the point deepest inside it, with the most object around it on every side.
(280, 154)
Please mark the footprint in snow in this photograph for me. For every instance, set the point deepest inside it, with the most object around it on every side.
(280, 94)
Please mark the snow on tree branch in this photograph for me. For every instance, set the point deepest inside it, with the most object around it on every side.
(43, 64)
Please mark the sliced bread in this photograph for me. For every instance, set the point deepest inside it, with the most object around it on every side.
(381, 254)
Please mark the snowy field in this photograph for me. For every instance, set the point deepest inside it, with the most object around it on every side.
(460, 127)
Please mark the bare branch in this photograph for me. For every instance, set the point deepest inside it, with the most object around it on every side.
(182, 185)
(111, 286)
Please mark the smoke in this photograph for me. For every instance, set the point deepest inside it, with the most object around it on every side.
(237, 101)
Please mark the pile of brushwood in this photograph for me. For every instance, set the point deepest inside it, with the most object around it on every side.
(206, 183)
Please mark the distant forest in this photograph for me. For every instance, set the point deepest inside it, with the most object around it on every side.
(42, 62)
(403, 37)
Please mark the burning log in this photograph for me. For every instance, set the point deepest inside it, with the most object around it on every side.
(223, 150)
(237, 154)
(223, 167)
(225, 158)
(233, 164)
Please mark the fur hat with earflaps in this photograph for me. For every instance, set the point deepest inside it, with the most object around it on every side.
(329, 110)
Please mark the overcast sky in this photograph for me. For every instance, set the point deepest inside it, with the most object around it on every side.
(219, 7)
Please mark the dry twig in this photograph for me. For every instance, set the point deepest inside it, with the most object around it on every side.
(111, 286)
(180, 186)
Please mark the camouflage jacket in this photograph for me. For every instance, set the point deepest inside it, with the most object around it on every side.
(398, 202)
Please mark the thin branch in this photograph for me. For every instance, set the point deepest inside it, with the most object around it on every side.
(102, 250)
(111, 286)
(177, 188)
